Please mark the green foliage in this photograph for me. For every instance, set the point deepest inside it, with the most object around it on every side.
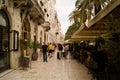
(84, 9)
(113, 44)
(71, 30)
(82, 12)
(114, 48)
(29, 43)
(74, 16)
(35, 44)
(22, 44)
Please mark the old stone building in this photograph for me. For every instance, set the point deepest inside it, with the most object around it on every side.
(22, 21)
(51, 16)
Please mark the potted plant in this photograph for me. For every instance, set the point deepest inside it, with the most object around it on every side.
(26, 47)
(35, 45)
(23, 51)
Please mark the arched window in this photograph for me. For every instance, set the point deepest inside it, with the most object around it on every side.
(26, 30)
(4, 35)
(3, 19)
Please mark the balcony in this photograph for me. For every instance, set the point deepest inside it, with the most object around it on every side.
(46, 25)
(31, 8)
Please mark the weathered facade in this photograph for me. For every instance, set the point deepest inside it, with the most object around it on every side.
(22, 21)
(51, 16)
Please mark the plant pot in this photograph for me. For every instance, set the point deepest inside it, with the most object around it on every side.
(34, 56)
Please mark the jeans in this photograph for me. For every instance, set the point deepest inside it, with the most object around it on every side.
(45, 56)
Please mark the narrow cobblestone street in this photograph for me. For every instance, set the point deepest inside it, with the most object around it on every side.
(54, 69)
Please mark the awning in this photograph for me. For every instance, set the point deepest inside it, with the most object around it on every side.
(97, 26)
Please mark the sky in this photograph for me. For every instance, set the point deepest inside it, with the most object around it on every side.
(64, 8)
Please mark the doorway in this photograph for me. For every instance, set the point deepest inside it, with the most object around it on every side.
(4, 41)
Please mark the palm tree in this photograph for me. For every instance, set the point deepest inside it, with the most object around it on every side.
(79, 3)
(84, 9)
(72, 28)
(74, 16)
(77, 16)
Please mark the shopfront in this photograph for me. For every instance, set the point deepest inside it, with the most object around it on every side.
(4, 41)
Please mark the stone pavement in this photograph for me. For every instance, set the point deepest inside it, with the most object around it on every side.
(54, 69)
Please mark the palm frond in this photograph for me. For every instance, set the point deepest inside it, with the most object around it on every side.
(74, 15)
(77, 3)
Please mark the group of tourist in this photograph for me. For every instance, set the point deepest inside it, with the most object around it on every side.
(49, 50)
(62, 51)
(95, 59)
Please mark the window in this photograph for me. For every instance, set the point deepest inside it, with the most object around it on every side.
(45, 10)
(3, 21)
(41, 3)
(47, 15)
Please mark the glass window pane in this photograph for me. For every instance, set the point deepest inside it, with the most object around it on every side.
(3, 21)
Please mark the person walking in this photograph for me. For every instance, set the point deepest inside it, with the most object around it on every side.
(60, 48)
(44, 50)
(50, 48)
